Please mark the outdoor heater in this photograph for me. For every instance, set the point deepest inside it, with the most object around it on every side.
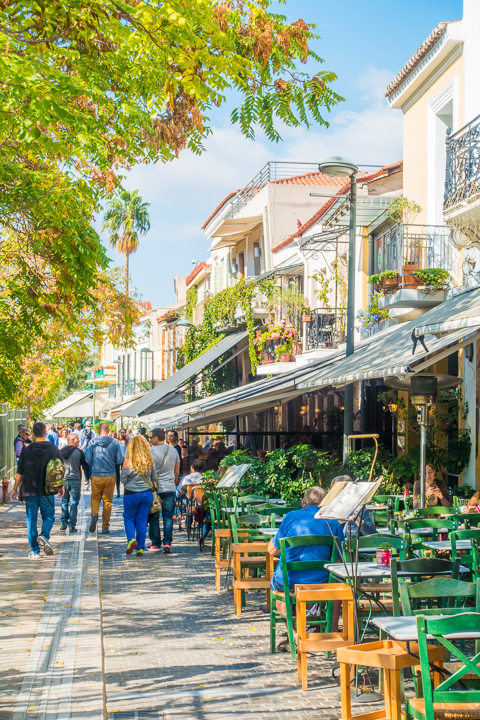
(423, 394)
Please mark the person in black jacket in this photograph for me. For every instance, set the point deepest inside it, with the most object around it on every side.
(31, 472)
(74, 460)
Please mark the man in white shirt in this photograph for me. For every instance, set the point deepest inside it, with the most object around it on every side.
(167, 465)
(195, 477)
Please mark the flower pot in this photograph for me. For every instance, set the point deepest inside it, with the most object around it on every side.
(276, 335)
(306, 318)
(411, 280)
(389, 285)
(285, 357)
(383, 557)
(267, 358)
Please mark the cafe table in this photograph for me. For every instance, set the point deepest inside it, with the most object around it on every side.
(416, 531)
(404, 628)
(268, 532)
(447, 545)
(364, 570)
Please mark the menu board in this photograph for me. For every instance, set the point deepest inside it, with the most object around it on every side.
(349, 500)
(233, 476)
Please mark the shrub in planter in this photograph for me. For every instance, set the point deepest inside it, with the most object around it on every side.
(435, 278)
(387, 280)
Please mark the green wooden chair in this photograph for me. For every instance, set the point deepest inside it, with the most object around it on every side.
(417, 540)
(451, 698)
(287, 596)
(427, 511)
(467, 558)
(476, 556)
(472, 520)
(397, 542)
(438, 596)
(379, 518)
(243, 500)
(421, 569)
(384, 499)
(277, 510)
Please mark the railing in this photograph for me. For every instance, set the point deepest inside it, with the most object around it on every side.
(113, 391)
(326, 329)
(271, 172)
(408, 248)
(462, 179)
(129, 387)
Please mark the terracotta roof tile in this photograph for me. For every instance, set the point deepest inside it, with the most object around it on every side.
(416, 58)
(219, 207)
(195, 271)
(145, 304)
(312, 178)
(361, 178)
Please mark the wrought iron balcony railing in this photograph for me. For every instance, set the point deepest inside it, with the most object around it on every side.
(408, 248)
(271, 172)
(462, 179)
(326, 328)
(129, 387)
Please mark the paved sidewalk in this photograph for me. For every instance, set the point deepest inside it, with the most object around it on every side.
(174, 648)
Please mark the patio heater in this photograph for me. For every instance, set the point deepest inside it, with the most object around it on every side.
(423, 394)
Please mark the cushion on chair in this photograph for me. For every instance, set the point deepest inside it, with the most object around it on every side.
(376, 587)
(449, 711)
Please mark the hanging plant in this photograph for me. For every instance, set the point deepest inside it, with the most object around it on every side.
(373, 314)
(192, 297)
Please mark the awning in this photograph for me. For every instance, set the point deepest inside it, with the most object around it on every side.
(466, 315)
(254, 397)
(370, 210)
(291, 266)
(323, 241)
(80, 404)
(176, 383)
(390, 353)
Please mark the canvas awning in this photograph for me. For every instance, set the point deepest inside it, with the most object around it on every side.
(370, 210)
(154, 400)
(291, 266)
(79, 404)
(390, 353)
(254, 397)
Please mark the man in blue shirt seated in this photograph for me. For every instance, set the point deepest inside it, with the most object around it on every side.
(303, 522)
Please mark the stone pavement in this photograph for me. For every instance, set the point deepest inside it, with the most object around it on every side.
(155, 640)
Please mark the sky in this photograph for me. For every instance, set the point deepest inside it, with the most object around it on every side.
(365, 44)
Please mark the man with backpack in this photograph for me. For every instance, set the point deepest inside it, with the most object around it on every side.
(33, 464)
(102, 453)
(74, 461)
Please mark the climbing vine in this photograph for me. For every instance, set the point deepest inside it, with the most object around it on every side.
(192, 297)
(219, 315)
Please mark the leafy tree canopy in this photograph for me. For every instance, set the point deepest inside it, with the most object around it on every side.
(90, 87)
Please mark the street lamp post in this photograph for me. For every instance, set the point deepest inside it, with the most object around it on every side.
(341, 167)
(148, 350)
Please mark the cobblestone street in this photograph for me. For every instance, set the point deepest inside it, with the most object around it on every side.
(166, 644)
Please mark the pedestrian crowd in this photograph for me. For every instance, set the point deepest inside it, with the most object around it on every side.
(155, 471)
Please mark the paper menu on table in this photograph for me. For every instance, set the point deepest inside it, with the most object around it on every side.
(350, 499)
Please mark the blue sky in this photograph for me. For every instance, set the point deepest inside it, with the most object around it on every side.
(365, 44)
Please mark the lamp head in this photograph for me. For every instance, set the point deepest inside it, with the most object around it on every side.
(338, 166)
(183, 322)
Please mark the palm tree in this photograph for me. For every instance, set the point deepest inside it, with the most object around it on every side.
(126, 218)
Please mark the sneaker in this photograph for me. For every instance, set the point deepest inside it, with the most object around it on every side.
(93, 522)
(139, 553)
(105, 531)
(45, 545)
(72, 531)
(167, 549)
(154, 548)
(132, 544)
(34, 554)
(63, 527)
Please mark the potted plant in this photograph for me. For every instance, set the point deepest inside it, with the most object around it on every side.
(283, 352)
(306, 314)
(386, 281)
(435, 278)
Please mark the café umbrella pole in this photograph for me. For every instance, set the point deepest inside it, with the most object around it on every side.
(423, 451)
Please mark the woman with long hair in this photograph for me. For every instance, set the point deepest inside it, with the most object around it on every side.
(139, 478)
(62, 439)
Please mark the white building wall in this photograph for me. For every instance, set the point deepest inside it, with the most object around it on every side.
(471, 49)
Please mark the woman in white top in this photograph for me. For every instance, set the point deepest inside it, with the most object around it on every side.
(62, 440)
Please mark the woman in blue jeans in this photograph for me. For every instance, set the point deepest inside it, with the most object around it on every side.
(139, 477)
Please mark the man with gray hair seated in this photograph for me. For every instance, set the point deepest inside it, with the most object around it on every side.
(303, 522)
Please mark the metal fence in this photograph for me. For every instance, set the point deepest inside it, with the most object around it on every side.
(326, 329)
(9, 419)
(271, 172)
(408, 248)
(462, 177)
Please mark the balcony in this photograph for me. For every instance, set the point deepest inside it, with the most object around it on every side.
(323, 334)
(406, 250)
(271, 172)
(461, 207)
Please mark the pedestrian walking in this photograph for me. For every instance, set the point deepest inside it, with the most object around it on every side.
(102, 454)
(31, 475)
(89, 433)
(139, 478)
(122, 441)
(21, 441)
(172, 438)
(63, 438)
(51, 435)
(74, 461)
(167, 465)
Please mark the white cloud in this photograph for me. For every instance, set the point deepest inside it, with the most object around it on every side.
(184, 193)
